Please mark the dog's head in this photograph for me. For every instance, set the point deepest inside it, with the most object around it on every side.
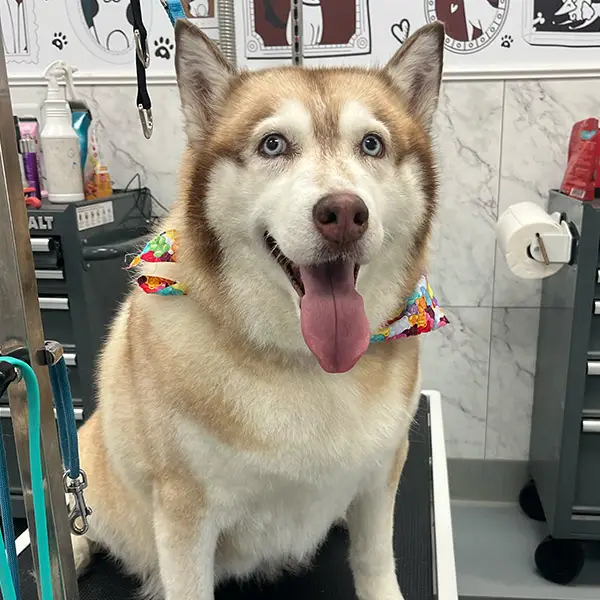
(309, 193)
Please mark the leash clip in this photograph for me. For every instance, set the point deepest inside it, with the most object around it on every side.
(80, 511)
(141, 48)
(146, 120)
(50, 354)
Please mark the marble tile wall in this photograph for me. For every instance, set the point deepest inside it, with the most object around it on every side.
(499, 143)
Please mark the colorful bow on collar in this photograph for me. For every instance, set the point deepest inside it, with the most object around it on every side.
(420, 314)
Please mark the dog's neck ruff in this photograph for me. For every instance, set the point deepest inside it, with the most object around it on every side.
(420, 314)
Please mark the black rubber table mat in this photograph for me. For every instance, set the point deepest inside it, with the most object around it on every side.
(330, 577)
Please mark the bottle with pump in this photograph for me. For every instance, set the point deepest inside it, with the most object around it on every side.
(60, 143)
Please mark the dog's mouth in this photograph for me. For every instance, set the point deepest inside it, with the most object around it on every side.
(291, 269)
(332, 313)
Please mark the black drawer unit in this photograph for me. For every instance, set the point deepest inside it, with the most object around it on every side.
(80, 251)
(564, 456)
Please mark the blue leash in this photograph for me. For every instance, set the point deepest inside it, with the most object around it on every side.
(8, 526)
(75, 479)
(67, 426)
(8, 375)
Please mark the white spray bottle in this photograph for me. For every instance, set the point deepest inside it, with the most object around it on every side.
(60, 142)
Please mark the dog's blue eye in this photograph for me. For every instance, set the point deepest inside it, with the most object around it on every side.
(372, 145)
(274, 145)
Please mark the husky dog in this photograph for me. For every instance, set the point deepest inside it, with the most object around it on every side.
(245, 412)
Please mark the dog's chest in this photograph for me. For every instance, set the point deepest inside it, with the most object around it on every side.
(283, 524)
(309, 447)
(276, 506)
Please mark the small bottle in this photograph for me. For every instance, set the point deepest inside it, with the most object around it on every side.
(27, 147)
(60, 144)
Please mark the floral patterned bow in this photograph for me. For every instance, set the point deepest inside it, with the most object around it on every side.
(420, 314)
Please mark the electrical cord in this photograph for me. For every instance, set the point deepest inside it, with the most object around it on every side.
(145, 201)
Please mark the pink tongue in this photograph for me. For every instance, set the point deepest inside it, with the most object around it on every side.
(333, 319)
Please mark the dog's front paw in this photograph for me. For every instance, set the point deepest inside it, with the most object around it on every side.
(380, 588)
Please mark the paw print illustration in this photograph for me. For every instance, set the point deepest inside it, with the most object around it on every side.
(507, 41)
(164, 48)
(59, 41)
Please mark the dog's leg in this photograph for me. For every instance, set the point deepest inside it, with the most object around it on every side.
(82, 553)
(371, 527)
(186, 540)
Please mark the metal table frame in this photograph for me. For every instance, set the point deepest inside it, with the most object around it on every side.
(21, 328)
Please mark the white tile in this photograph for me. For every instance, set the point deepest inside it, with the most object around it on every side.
(467, 132)
(512, 369)
(455, 361)
(126, 150)
(538, 117)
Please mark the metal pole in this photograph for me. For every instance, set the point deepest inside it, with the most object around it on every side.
(21, 327)
(297, 36)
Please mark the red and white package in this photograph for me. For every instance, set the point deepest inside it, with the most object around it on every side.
(584, 159)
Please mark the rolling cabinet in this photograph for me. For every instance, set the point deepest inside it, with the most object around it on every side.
(564, 455)
(79, 253)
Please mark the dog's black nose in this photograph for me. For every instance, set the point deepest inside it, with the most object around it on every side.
(341, 218)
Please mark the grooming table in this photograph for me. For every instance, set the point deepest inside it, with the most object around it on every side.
(423, 539)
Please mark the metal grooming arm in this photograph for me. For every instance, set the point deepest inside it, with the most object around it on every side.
(21, 329)
(297, 37)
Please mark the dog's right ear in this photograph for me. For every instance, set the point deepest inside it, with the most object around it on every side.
(203, 76)
(416, 69)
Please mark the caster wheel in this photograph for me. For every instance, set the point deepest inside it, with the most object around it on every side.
(530, 503)
(559, 561)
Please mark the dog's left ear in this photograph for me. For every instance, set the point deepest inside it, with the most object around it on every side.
(203, 76)
(417, 70)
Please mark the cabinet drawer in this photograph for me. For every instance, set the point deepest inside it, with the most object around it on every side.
(58, 325)
(53, 302)
(592, 385)
(47, 253)
(594, 343)
(587, 489)
(49, 274)
(42, 245)
(51, 282)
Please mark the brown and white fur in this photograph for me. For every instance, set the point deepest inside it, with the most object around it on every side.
(220, 448)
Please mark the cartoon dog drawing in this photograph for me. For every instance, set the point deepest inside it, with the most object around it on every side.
(582, 12)
(479, 15)
(312, 18)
